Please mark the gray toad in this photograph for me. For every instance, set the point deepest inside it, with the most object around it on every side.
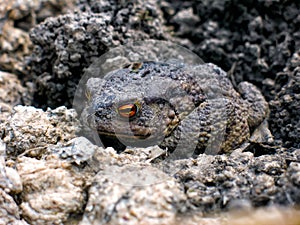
(171, 105)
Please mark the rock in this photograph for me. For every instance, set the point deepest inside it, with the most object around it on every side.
(84, 35)
(15, 45)
(65, 45)
(285, 108)
(213, 183)
(32, 130)
(10, 183)
(17, 17)
(254, 40)
(10, 180)
(116, 203)
(52, 190)
(5, 112)
(11, 90)
(78, 150)
(9, 211)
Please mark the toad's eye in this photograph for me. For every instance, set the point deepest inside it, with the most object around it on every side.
(128, 110)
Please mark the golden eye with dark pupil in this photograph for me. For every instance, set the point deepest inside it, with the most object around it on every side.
(128, 110)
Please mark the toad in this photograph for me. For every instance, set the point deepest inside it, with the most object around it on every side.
(174, 106)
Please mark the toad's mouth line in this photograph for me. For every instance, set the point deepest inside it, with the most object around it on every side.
(124, 135)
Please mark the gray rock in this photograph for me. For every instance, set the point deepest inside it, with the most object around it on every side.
(78, 150)
(285, 117)
(116, 203)
(65, 45)
(32, 130)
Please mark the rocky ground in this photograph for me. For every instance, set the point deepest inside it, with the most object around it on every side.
(51, 175)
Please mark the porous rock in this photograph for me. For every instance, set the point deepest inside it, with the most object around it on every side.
(112, 203)
(12, 93)
(11, 90)
(77, 150)
(285, 108)
(14, 46)
(65, 45)
(254, 40)
(228, 180)
(30, 129)
(17, 17)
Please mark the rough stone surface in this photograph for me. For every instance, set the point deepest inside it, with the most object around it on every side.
(227, 181)
(9, 210)
(270, 216)
(285, 108)
(77, 150)
(52, 191)
(30, 129)
(10, 183)
(9, 178)
(14, 46)
(11, 90)
(11, 93)
(111, 203)
(253, 39)
(17, 17)
(5, 111)
(65, 45)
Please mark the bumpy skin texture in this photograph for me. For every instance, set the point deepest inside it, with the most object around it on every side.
(195, 108)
